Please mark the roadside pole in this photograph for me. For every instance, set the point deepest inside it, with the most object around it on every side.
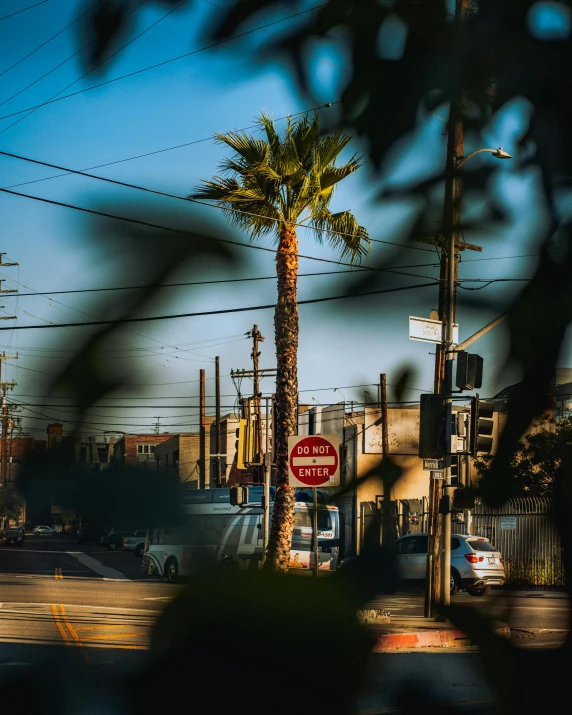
(267, 473)
(451, 224)
(315, 533)
(387, 532)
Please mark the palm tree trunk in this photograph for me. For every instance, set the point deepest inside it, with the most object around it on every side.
(286, 402)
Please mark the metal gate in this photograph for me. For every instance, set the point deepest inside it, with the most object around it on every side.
(524, 532)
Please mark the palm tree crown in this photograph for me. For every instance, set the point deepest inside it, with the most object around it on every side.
(271, 182)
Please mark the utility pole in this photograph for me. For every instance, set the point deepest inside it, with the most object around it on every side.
(387, 536)
(257, 338)
(5, 418)
(438, 567)
(217, 474)
(267, 476)
(203, 481)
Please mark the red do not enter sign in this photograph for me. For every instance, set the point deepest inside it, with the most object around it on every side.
(313, 461)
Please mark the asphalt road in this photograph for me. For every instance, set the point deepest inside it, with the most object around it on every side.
(56, 593)
(68, 611)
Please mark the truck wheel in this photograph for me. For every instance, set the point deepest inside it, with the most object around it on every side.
(172, 570)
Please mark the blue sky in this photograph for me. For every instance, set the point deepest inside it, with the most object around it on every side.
(342, 344)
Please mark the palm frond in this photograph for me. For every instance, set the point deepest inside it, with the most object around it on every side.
(330, 147)
(305, 134)
(332, 175)
(245, 207)
(280, 178)
(342, 231)
(267, 124)
(245, 145)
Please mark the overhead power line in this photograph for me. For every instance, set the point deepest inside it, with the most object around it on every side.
(106, 59)
(43, 2)
(244, 280)
(178, 197)
(53, 37)
(185, 283)
(161, 151)
(215, 312)
(160, 64)
(186, 233)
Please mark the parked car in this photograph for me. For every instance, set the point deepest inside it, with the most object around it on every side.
(135, 542)
(114, 540)
(21, 529)
(12, 537)
(40, 530)
(475, 563)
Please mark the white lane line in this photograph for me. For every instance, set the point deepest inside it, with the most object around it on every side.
(106, 571)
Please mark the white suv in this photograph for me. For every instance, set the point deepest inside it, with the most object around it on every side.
(475, 564)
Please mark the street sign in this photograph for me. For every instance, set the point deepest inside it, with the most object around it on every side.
(430, 331)
(313, 461)
(433, 464)
(437, 475)
(508, 523)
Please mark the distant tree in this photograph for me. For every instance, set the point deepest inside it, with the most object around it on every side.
(273, 185)
(537, 459)
(10, 505)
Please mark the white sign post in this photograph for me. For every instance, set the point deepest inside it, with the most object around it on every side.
(314, 462)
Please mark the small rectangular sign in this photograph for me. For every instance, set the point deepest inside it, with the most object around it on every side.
(433, 464)
(430, 331)
(508, 523)
(437, 475)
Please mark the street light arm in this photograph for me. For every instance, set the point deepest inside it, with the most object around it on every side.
(497, 153)
(479, 333)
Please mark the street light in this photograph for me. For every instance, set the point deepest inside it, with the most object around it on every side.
(448, 349)
(499, 153)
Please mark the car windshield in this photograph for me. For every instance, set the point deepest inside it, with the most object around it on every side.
(481, 545)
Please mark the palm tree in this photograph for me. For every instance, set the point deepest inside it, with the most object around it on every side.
(272, 185)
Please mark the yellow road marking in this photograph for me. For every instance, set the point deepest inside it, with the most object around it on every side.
(71, 629)
(96, 628)
(61, 619)
(115, 635)
(61, 629)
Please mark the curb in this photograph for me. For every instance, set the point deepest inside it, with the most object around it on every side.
(428, 638)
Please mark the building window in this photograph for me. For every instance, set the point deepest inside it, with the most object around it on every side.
(145, 449)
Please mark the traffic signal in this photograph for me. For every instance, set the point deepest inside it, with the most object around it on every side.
(432, 443)
(244, 444)
(238, 496)
(469, 371)
(481, 426)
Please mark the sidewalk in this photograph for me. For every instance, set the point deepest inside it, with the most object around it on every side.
(409, 633)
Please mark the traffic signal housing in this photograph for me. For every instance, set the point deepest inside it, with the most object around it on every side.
(238, 496)
(432, 442)
(482, 423)
(469, 375)
(244, 444)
